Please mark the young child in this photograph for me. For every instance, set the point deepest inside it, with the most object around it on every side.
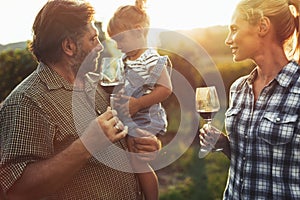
(147, 82)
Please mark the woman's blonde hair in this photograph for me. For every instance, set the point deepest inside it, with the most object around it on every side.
(283, 14)
(129, 17)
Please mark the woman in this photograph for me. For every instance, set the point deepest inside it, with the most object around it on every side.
(262, 122)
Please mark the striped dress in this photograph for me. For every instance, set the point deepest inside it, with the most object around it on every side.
(140, 77)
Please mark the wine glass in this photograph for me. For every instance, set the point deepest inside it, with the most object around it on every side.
(111, 71)
(207, 105)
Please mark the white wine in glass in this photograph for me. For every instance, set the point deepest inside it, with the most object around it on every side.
(207, 105)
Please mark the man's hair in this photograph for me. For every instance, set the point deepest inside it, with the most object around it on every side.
(56, 21)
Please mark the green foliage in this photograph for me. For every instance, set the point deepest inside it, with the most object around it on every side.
(193, 178)
(15, 65)
(212, 39)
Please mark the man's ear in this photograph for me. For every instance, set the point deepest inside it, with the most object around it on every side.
(264, 26)
(69, 46)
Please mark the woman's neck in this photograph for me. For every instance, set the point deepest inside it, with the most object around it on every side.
(270, 64)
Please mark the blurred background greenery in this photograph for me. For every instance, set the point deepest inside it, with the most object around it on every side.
(188, 177)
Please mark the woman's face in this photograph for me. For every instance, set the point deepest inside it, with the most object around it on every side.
(243, 39)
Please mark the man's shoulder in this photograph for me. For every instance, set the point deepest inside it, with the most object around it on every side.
(27, 88)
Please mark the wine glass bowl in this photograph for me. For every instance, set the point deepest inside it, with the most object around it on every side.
(207, 102)
(111, 71)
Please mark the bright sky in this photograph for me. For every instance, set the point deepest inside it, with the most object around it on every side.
(17, 16)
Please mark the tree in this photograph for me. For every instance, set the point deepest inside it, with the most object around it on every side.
(15, 65)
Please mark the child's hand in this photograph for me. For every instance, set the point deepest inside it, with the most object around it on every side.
(134, 106)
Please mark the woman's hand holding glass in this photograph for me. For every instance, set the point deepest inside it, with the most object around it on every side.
(214, 139)
(209, 138)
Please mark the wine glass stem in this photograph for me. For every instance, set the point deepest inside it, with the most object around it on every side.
(208, 121)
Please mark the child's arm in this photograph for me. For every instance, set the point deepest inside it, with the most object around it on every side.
(161, 92)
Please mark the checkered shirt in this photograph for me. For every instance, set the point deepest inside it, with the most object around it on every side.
(37, 122)
(265, 138)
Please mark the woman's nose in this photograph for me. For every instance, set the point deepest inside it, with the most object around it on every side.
(228, 40)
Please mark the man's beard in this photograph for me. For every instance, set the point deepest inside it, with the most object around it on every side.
(85, 62)
(78, 59)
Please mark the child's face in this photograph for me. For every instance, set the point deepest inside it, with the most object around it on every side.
(130, 42)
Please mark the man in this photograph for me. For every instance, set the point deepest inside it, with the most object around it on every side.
(49, 130)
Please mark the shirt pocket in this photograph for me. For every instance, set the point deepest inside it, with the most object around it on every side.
(277, 128)
(231, 117)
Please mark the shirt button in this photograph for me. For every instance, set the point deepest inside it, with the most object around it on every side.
(242, 180)
(244, 158)
(278, 119)
(246, 136)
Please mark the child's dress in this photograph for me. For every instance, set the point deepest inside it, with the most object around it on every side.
(140, 77)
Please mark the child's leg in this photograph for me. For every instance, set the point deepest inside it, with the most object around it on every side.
(149, 184)
(147, 178)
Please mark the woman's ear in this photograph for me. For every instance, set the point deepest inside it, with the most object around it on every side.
(69, 46)
(264, 26)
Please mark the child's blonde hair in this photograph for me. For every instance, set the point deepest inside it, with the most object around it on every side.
(129, 17)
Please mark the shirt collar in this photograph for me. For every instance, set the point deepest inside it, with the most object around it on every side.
(54, 81)
(252, 76)
(51, 78)
(284, 77)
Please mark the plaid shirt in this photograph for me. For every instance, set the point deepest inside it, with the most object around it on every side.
(37, 121)
(265, 138)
